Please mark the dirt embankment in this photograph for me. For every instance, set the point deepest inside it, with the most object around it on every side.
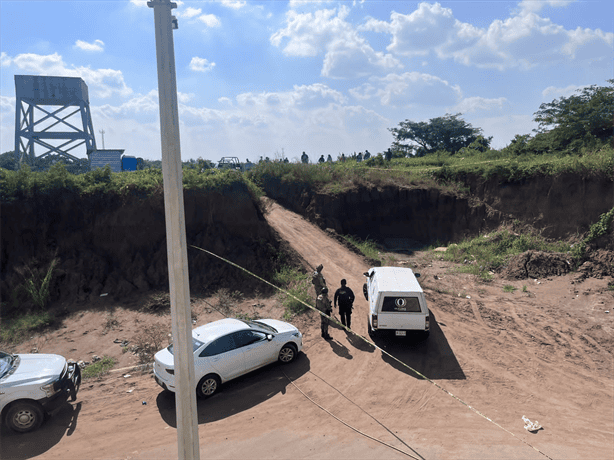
(117, 244)
(559, 206)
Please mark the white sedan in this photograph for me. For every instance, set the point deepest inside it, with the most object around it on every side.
(228, 348)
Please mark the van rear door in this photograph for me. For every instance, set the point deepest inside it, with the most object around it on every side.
(402, 311)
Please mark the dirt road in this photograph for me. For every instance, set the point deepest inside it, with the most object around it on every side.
(543, 351)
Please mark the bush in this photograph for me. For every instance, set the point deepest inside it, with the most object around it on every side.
(299, 290)
(151, 339)
(99, 368)
(18, 328)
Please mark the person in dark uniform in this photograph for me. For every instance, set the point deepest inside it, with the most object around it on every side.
(304, 158)
(345, 297)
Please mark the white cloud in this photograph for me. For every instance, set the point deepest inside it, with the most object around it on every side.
(535, 6)
(410, 88)
(184, 98)
(7, 104)
(552, 92)
(210, 20)
(426, 28)
(137, 105)
(201, 64)
(504, 128)
(189, 12)
(97, 46)
(294, 4)
(102, 82)
(524, 40)
(347, 54)
(302, 97)
(234, 4)
(5, 60)
(472, 104)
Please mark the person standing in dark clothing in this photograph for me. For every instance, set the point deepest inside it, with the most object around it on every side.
(345, 297)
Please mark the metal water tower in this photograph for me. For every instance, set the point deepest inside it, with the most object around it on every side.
(37, 125)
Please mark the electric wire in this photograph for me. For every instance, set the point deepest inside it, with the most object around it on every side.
(347, 424)
(380, 349)
(355, 429)
(376, 420)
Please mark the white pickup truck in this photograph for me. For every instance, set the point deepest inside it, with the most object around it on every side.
(32, 385)
(397, 305)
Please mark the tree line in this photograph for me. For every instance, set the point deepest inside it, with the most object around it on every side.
(566, 125)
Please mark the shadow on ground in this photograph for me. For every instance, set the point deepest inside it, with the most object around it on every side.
(432, 357)
(239, 394)
(20, 446)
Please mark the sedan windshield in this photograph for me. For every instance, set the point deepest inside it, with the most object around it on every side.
(6, 362)
(196, 344)
(259, 325)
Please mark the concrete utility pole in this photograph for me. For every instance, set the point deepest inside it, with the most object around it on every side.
(102, 132)
(185, 385)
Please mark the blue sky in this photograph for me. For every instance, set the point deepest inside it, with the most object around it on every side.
(271, 77)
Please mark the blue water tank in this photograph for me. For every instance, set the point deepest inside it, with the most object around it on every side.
(128, 163)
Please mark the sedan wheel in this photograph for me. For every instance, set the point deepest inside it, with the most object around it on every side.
(23, 417)
(208, 386)
(287, 354)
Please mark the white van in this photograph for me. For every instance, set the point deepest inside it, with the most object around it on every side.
(396, 302)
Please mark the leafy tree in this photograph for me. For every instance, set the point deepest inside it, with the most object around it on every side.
(571, 122)
(7, 161)
(519, 145)
(450, 133)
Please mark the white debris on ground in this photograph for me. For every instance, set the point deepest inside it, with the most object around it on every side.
(531, 426)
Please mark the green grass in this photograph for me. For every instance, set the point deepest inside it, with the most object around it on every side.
(98, 368)
(25, 183)
(367, 247)
(299, 287)
(603, 226)
(487, 253)
(508, 288)
(38, 289)
(19, 328)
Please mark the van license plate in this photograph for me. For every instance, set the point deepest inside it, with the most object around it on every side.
(401, 333)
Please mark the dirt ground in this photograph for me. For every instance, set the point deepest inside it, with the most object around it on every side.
(543, 351)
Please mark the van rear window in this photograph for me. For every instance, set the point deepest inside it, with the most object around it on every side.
(401, 304)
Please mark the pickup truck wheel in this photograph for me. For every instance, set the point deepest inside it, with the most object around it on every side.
(24, 417)
(208, 386)
(370, 331)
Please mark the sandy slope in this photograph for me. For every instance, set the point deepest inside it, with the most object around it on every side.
(545, 353)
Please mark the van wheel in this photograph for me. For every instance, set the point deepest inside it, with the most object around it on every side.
(24, 417)
(371, 332)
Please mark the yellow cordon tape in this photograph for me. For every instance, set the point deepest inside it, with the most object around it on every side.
(380, 349)
(337, 418)
(348, 425)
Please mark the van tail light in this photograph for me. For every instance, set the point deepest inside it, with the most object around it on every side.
(374, 321)
(427, 324)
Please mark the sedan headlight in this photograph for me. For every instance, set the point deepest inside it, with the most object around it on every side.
(297, 334)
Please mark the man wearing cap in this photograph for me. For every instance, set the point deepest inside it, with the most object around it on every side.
(317, 279)
(323, 304)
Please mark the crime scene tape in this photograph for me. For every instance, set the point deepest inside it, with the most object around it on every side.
(374, 345)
